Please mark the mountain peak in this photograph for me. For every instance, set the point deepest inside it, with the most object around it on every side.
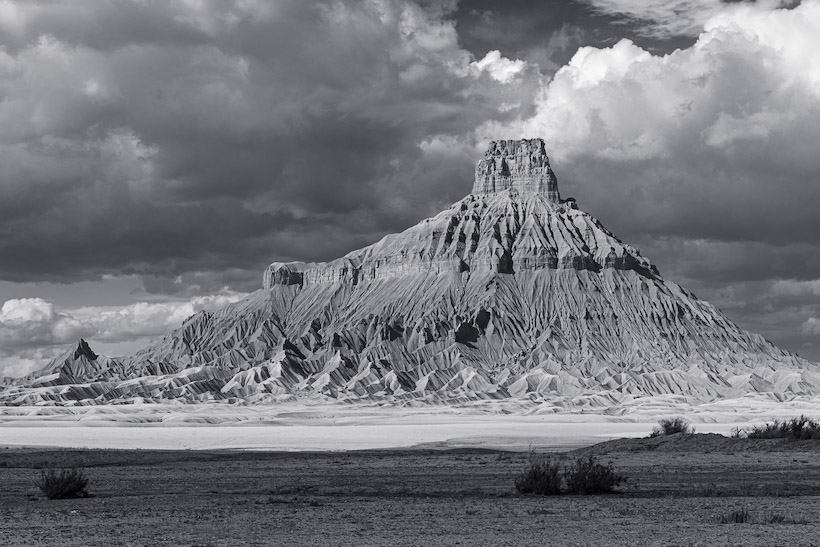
(83, 349)
(522, 165)
(510, 292)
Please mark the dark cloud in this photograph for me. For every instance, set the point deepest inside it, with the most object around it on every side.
(673, 20)
(768, 289)
(548, 33)
(724, 262)
(198, 137)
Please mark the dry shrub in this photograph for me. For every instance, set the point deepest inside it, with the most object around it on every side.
(63, 483)
(670, 426)
(738, 516)
(799, 429)
(542, 477)
(588, 476)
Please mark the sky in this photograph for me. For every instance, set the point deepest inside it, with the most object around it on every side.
(156, 156)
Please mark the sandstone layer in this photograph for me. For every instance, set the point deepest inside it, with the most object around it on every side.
(509, 293)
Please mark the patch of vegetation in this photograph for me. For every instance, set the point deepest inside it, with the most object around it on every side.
(588, 476)
(670, 426)
(63, 483)
(542, 477)
(584, 475)
(798, 429)
(737, 516)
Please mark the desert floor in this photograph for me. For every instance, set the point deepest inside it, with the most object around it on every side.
(677, 490)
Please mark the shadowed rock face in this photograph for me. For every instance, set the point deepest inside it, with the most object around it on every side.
(509, 293)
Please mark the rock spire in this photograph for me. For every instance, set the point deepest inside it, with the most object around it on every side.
(522, 165)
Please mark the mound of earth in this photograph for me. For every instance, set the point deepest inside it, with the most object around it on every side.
(698, 443)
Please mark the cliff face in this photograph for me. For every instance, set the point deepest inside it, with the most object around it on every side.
(518, 165)
(509, 293)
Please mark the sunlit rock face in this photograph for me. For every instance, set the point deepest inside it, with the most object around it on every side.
(510, 294)
(520, 165)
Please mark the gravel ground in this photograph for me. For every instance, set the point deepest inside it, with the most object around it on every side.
(412, 498)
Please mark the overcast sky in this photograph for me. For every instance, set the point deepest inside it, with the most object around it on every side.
(156, 156)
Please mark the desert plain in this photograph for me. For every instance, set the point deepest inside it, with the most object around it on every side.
(674, 495)
(374, 489)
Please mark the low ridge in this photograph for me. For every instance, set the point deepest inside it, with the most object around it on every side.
(511, 293)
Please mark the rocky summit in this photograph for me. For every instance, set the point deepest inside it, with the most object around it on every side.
(510, 294)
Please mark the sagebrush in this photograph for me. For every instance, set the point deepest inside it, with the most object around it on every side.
(588, 476)
(738, 516)
(799, 429)
(670, 426)
(542, 477)
(63, 483)
(584, 475)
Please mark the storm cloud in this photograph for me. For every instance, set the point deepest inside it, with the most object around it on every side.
(164, 138)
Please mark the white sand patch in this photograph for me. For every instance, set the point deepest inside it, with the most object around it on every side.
(346, 427)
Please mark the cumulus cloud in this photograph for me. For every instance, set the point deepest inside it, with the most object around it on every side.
(33, 330)
(27, 322)
(501, 69)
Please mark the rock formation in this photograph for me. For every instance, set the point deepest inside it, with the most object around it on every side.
(522, 165)
(509, 293)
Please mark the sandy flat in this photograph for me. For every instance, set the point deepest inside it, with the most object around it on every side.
(347, 427)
